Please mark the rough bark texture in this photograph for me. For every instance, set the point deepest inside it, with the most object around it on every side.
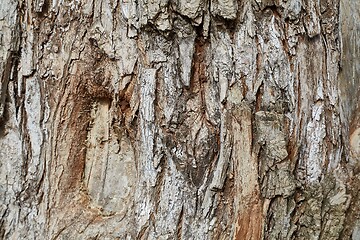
(181, 119)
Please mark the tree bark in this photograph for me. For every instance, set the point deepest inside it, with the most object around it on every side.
(177, 119)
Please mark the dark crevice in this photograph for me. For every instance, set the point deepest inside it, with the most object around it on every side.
(179, 224)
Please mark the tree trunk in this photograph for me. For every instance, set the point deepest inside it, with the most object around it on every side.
(180, 119)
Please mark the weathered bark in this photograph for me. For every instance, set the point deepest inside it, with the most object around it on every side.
(180, 119)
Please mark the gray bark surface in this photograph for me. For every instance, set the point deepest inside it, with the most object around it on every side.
(181, 119)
